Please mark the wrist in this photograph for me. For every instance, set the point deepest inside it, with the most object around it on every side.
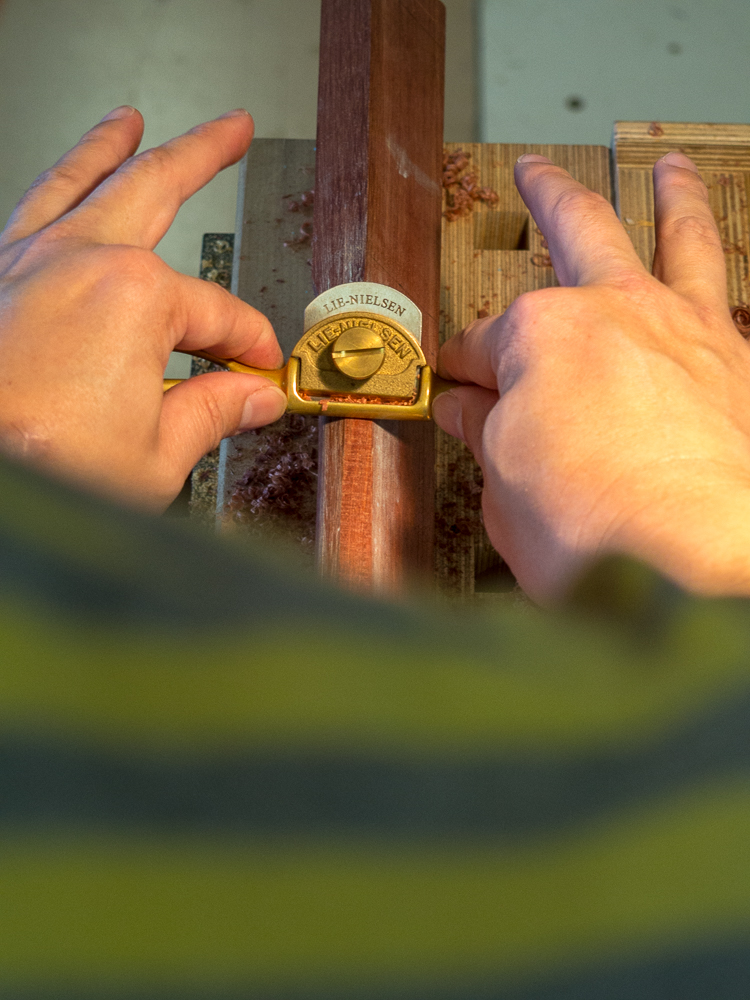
(698, 534)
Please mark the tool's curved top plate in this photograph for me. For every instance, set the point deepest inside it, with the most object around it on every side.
(367, 296)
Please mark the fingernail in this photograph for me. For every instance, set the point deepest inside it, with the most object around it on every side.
(448, 414)
(262, 407)
(676, 159)
(533, 158)
(124, 111)
(236, 113)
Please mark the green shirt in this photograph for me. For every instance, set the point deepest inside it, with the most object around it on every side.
(221, 779)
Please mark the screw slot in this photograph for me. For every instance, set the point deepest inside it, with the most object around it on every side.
(358, 353)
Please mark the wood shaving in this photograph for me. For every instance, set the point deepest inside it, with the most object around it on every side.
(462, 189)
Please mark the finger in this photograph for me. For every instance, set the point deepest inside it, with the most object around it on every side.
(689, 257)
(213, 320)
(587, 243)
(462, 413)
(76, 174)
(138, 203)
(198, 413)
(471, 356)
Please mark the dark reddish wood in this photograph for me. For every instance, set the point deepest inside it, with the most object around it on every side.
(377, 218)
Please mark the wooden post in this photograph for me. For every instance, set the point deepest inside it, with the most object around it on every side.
(377, 218)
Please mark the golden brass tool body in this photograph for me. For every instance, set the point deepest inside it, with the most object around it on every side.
(356, 364)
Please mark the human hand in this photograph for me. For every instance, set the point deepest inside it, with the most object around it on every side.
(89, 315)
(622, 422)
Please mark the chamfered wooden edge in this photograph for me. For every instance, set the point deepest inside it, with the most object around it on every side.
(697, 133)
(718, 146)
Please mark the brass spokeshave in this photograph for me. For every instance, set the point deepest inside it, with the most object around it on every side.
(360, 356)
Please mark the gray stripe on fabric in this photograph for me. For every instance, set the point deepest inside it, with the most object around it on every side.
(180, 579)
(311, 792)
(701, 972)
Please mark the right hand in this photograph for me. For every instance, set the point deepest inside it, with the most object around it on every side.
(623, 417)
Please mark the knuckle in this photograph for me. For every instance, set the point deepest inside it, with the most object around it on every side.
(530, 307)
(520, 318)
(134, 273)
(524, 321)
(212, 416)
(578, 202)
(693, 228)
(204, 128)
(634, 286)
(130, 262)
(61, 175)
(158, 160)
(522, 308)
(540, 320)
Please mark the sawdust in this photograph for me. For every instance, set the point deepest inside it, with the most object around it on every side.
(302, 203)
(277, 492)
(462, 189)
(345, 397)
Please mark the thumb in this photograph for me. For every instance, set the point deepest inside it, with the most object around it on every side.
(462, 413)
(199, 412)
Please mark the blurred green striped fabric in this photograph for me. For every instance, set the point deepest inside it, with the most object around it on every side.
(220, 779)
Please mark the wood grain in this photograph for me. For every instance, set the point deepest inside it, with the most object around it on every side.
(377, 218)
(272, 258)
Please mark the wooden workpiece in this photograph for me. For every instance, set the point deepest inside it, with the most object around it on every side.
(377, 218)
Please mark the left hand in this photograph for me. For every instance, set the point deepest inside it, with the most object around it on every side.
(89, 315)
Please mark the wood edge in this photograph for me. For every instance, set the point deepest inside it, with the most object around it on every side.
(684, 133)
(527, 146)
(239, 228)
